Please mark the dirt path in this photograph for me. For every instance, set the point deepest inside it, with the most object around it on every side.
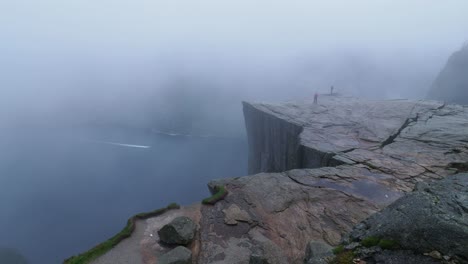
(143, 247)
(127, 251)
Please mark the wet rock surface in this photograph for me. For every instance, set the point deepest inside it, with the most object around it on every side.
(433, 218)
(349, 158)
(322, 169)
(410, 140)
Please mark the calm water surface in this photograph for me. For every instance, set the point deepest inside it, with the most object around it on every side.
(63, 191)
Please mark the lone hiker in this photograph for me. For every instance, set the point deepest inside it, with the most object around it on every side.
(331, 90)
(315, 97)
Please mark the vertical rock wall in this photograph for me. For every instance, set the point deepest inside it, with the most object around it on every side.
(273, 142)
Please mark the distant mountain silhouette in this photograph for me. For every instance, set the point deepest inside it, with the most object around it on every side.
(451, 85)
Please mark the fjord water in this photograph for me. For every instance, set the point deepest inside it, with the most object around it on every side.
(63, 191)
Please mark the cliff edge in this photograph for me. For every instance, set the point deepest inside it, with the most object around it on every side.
(320, 170)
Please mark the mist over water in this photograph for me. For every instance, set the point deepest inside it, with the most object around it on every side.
(63, 191)
(76, 76)
(135, 62)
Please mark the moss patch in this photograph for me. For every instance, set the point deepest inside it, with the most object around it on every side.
(345, 257)
(105, 246)
(338, 249)
(370, 241)
(220, 193)
(388, 244)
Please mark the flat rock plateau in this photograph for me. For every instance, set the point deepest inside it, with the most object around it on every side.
(316, 170)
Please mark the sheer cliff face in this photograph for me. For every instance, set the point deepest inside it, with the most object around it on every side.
(273, 142)
(338, 131)
(324, 168)
(451, 85)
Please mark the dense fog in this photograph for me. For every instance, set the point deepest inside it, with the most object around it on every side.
(149, 63)
(113, 107)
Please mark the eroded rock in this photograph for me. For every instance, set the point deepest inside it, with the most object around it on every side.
(233, 214)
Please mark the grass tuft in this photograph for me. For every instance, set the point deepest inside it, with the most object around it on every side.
(105, 246)
(220, 193)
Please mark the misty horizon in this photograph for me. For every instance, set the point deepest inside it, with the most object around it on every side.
(93, 62)
(110, 108)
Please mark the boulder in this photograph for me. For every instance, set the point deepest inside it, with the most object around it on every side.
(180, 231)
(179, 255)
(432, 218)
(317, 252)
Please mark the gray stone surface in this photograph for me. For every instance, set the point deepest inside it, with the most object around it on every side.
(432, 218)
(180, 231)
(325, 168)
(410, 140)
(289, 209)
(178, 255)
(337, 162)
(401, 257)
(233, 214)
(317, 252)
(267, 252)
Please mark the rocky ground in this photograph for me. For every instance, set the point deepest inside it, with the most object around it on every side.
(320, 169)
(430, 220)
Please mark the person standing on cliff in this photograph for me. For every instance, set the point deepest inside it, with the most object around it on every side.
(315, 98)
(331, 90)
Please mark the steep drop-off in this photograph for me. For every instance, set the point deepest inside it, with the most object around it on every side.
(321, 169)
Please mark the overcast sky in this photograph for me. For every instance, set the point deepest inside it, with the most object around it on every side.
(56, 49)
(245, 25)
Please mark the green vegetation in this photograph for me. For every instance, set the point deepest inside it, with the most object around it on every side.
(220, 193)
(371, 241)
(345, 257)
(339, 249)
(388, 244)
(105, 246)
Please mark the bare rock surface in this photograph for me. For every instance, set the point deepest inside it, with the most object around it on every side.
(320, 169)
(433, 218)
(317, 252)
(179, 255)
